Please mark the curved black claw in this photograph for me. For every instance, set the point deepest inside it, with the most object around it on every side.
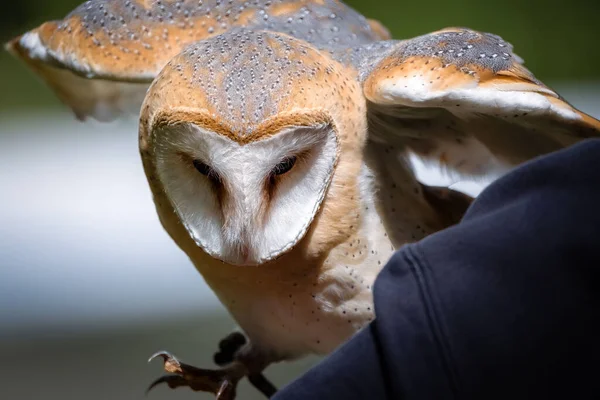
(171, 364)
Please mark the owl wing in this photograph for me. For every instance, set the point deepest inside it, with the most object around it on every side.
(463, 99)
(102, 57)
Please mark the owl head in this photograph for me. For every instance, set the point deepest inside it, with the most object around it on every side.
(246, 135)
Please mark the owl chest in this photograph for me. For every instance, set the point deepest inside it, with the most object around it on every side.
(297, 309)
(304, 313)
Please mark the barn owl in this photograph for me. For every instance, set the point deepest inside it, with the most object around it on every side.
(275, 137)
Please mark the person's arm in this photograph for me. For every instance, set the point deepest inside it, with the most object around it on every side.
(503, 305)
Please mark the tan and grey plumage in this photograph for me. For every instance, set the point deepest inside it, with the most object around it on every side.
(275, 137)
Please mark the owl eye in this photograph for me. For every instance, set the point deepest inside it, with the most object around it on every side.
(284, 166)
(202, 168)
(206, 170)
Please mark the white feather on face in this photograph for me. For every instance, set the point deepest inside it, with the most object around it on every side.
(230, 198)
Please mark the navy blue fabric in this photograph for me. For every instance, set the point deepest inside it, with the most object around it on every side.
(504, 305)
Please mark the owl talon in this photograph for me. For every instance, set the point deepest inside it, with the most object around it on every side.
(221, 382)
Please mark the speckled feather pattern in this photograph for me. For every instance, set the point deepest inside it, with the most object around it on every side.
(245, 77)
(462, 47)
(135, 39)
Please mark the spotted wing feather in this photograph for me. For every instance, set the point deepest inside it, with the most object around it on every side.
(464, 99)
(101, 58)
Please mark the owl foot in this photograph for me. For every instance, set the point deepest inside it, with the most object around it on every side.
(228, 347)
(221, 382)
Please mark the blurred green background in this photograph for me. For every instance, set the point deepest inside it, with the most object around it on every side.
(557, 38)
(90, 284)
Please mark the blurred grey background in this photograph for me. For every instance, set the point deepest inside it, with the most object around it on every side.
(90, 285)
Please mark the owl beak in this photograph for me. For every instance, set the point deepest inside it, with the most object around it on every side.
(245, 253)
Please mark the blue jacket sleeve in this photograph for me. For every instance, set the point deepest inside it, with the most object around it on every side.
(503, 305)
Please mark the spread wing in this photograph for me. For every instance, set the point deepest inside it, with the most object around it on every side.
(83, 72)
(102, 57)
(463, 99)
